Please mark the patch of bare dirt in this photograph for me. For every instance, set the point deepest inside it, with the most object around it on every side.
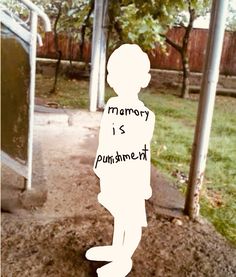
(45, 232)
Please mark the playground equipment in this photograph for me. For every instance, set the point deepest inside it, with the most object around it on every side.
(18, 46)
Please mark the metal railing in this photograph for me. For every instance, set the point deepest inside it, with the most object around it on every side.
(28, 33)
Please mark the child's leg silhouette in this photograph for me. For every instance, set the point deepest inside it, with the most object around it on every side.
(101, 253)
(117, 268)
(122, 264)
(118, 234)
(110, 252)
(132, 238)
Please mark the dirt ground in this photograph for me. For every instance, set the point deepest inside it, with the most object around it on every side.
(46, 231)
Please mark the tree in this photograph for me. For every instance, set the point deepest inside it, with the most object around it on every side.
(72, 18)
(133, 22)
(194, 9)
(147, 23)
(56, 10)
(58, 5)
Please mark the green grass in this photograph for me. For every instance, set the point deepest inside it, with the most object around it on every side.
(70, 93)
(172, 143)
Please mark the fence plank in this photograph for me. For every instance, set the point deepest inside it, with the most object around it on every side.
(170, 61)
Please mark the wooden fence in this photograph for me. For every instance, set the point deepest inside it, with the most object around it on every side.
(170, 60)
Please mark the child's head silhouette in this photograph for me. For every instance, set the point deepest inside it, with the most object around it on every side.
(128, 70)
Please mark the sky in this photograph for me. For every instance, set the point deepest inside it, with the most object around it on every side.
(203, 22)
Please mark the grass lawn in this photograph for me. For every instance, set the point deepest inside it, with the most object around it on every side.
(172, 143)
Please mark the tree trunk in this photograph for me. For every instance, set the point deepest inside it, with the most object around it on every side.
(184, 52)
(83, 31)
(58, 51)
(70, 51)
(186, 75)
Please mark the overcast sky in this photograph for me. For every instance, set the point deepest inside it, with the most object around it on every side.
(203, 22)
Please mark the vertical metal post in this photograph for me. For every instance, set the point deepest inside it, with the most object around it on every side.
(206, 106)
(33, 45)
(98, 64)
(96, 45)
(103, 53)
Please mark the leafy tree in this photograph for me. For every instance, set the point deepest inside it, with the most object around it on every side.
(192, 10)
(72, 17)
(143, 22)
(57, 7)
(133, 22)
(15, 7)
(147, 23)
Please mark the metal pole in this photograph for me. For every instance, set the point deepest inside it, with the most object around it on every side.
(33, 44)
(96, 46)
(103, 53)
(206, 106)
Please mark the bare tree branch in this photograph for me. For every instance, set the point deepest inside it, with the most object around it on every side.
(172, 43)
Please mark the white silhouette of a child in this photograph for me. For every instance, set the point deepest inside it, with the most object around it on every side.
(123, 158)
